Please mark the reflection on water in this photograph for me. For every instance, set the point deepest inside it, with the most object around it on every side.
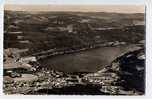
(86, 61)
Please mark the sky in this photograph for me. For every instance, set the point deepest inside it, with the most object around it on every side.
(131, 6)
(76, 2)
(79, 8)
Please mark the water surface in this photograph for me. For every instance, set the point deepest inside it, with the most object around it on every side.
(86, 61)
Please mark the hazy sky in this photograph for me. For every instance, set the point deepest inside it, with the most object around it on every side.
(79, 8)
(129, 6)
(75, 2)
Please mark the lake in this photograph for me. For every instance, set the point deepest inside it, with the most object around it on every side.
(91, 60)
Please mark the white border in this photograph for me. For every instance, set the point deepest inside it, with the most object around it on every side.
(77, 2)
(149, 48)
(148, 94)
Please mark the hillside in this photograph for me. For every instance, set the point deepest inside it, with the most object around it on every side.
(70, 30)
